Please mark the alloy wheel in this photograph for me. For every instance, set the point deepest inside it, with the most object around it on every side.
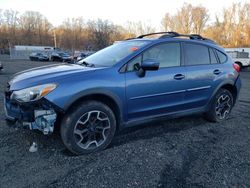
(223, 106)
(92, 129)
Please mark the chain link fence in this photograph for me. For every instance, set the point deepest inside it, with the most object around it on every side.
(24, 54)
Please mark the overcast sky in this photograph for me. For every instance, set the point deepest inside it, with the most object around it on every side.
(118, 11)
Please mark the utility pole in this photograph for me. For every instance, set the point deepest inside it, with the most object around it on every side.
(54, 32)
(10, 49)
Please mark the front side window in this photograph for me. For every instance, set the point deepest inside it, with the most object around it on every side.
(167, 54)
(196, 54)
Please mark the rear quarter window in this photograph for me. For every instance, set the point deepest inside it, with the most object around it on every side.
(222, 57)
(213, 58)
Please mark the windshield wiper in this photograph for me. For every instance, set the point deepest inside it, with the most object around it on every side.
(87, 64)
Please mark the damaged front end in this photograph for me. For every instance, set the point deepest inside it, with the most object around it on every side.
(44, 121)
(36, 115)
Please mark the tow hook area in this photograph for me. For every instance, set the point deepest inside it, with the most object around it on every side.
(44, 121)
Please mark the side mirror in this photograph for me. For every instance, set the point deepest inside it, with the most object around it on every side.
(148, 65)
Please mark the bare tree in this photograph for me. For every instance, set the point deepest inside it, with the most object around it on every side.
(232, 29)
(35, 28)
(72, 34)
(184, 19)
(139, 28)
(100, 32)
(9, 24)
(187, 20)
(199, 17)
(168, 23)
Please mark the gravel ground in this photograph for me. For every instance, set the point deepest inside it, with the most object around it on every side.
(185, 152)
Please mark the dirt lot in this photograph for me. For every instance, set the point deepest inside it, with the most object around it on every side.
(185, 152)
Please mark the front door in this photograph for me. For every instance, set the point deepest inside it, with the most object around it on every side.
(158, 92)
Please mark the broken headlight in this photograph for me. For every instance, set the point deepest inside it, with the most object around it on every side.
(33, 93)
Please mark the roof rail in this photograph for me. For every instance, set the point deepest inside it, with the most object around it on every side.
(190, 36)
(172, 34)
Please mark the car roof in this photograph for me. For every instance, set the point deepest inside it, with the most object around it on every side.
(153, 40)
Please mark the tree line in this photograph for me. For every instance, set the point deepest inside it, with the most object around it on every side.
(230, 29)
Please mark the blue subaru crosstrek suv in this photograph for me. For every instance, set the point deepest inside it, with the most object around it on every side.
(128, 83)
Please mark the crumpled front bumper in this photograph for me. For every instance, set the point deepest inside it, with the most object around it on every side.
(40, 115)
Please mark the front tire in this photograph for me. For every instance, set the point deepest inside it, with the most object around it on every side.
(88, 127)
(221, 106)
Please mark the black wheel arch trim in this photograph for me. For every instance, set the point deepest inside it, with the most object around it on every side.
(95, 92)
(221, 85)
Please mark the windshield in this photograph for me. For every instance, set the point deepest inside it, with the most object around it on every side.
(109, 56)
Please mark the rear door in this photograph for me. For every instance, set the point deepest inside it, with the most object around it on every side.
(158, 92)
(202, 72)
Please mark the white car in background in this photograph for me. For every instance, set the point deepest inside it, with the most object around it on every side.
(240, 58)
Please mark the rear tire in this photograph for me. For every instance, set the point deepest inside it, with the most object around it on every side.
(221, 106)
(88, 127)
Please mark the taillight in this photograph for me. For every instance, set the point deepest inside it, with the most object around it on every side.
(236, 67)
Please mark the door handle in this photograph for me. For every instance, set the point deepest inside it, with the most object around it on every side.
(217, 71)
(179, 76)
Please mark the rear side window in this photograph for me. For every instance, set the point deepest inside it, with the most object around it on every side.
(222, 57)
(196, 54)
(213, 59)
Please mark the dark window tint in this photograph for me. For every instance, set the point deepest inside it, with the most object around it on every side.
(167, 54)
(212, 56)
(196, 54)
(222, 57)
